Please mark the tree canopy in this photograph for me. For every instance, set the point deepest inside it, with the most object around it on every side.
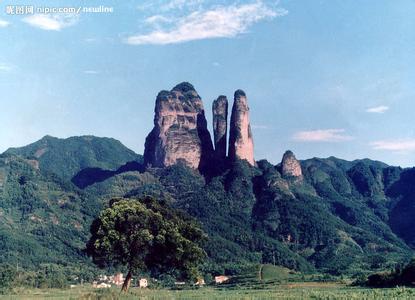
(146, 235)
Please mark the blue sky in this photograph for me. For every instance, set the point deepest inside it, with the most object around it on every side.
(329, 77)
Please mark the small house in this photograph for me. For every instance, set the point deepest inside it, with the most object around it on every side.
(221, 279)
(143, 283)
(118, 279)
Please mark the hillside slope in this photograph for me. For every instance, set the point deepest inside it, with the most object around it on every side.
(336, 219)
(42, 218)
(333, 216)
(66, 157)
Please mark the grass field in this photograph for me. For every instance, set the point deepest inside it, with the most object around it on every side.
(262, 282)
(305, 290)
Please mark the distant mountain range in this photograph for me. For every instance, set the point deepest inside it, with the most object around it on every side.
(326, 215)
(66, 157)
(334, 215)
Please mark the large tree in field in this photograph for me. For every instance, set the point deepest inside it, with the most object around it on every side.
(144, 234)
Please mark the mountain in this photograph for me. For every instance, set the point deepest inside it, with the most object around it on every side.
(335, 214)
(316, 215)
(402, 213)
(180, 130)
(341, 217)
(327, 221)
(241, 143)
(220, 126)
(44, 216)
(43, 219)
(66, 157)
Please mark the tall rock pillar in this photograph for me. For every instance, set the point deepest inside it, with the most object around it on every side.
(220, 126)
(241, 144)
(290, 166)
(180, 130)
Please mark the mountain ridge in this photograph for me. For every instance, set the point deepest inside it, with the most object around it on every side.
(79, 152)
(316, 215)
(190, 191)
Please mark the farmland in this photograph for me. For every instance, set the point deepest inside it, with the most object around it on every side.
(305, 290)
(260, 282)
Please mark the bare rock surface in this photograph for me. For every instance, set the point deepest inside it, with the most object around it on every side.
(241, 144)
(290, 166)
(180, 130)
(220, 126)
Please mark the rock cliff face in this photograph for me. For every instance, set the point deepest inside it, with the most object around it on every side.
(290, 166)
(241, 143)
(220, 126)
(180, 130)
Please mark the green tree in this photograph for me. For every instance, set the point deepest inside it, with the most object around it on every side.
(7, 277)
(144, 234)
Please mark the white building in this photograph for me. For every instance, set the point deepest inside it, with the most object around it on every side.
(221, 279)
(143, 283)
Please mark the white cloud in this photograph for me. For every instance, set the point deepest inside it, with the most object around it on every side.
(157, 19)
(216, 22)
(378, 109)
(4, 23)
(91, 72)
(322, 135)
(6, 67)
(181, 4)
(51, 22)
(400, 146)
(168, 5)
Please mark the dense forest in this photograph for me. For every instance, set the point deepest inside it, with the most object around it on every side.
(339, 217)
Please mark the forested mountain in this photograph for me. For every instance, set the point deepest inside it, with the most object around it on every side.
(44, 217)
(326, 215)
(66, 157)
(336, 216)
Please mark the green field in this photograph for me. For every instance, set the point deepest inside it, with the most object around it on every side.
(307, 290)
(260, 282)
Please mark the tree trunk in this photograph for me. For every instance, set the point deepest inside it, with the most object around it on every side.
(127, 282)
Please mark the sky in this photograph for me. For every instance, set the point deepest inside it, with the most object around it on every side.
(323, 78)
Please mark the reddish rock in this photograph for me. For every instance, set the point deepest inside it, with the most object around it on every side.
(290, 166)
(241, 144)
(220, 126)
(180, 130)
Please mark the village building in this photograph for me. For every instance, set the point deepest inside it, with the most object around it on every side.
(200, 282)
(118, 279)
(221, 279)
(143, 283)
